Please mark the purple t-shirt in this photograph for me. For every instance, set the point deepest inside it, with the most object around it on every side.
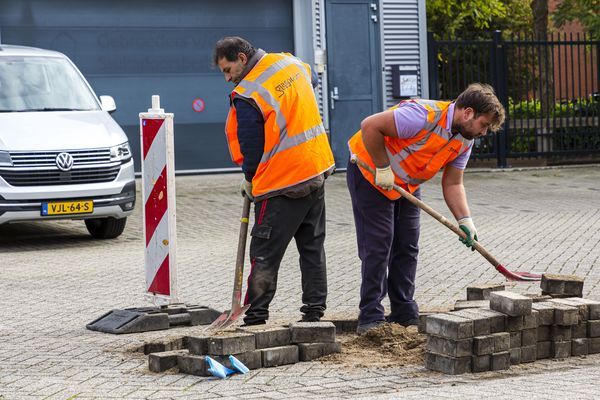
(410, 118)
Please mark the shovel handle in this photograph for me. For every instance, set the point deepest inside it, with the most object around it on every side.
(236, 299)
(404, 193)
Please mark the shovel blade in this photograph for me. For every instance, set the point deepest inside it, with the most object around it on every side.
(235, 314)
(518, 276)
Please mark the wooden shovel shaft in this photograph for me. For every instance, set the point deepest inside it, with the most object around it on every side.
(236, 299)
(404, 193)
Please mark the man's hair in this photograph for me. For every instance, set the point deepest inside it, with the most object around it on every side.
(482, 99)
(229, 48)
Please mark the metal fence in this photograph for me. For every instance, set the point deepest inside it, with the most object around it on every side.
(549, 87)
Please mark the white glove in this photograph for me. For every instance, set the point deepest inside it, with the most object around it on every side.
(384, 178)
(468, 227)
(246, 189)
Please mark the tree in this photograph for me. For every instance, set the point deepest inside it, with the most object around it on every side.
(545, 81)
(584, 11)
(447, 18)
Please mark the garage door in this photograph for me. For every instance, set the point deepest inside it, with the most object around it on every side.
(134, 49)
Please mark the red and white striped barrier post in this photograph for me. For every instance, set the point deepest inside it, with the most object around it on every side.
(158, 192)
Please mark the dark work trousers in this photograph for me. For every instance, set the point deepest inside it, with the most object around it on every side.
(278, 220)
(387, 232)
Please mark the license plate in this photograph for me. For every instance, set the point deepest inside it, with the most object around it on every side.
(68, 207)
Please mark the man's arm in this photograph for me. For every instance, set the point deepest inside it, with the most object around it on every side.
(374, 129)
(454, 192)
(251, 136)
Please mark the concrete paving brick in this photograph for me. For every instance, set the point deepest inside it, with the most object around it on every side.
(481, 363)
(544, 350)
(482, 292)
(312, 351)
(449, 347)
(344, 325)
(497, 319)
(594, 345)
(159, 362)
(268, 336)
(560, 332)
(193, 365)
(593, 306)
(232, 344)
(529, 353)
(531, 321)
(500, 361)
(312, 332)
(483, 345)
(579, 347)
(276, 356)
(447, 365)
(545, 312)
(515, 356)
(580, 330)
(593, 328)
(560, 349)
(251, 359)
(514, 324)
(528, 337)
(197, 345)
(515, 339)
(449, 326)
(468, 304)
(510, 303)
(543, 333)
(582, 308)
(501, 341)
(565, 315)
(481, 323)
(562, 284)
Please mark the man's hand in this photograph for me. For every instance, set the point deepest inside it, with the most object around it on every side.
(246, 189)
(467, 226)
(384, 178)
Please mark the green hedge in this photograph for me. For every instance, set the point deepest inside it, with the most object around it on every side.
(583, 107)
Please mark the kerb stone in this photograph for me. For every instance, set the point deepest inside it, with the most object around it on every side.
(579, 347)
(312, 351)
(450, 347)
(482, 292)
(239, 343)
(510, 303)
(446, 364)
(276, 356)
(268, 337)
(449, 326)
(160, 362)
(312, 332)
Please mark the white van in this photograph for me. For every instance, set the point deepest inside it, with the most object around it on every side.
(61, 153)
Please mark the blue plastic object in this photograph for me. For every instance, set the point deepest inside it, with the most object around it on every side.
(217, 369)
(238, 365)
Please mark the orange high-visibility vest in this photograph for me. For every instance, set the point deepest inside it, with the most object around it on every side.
(296, 145)
(417, 159)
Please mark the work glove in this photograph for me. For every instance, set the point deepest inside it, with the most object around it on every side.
(384, 178)
(467, 226)
(246, 189)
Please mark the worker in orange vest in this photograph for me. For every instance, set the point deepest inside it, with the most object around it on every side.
(275, 133)
(407, 145)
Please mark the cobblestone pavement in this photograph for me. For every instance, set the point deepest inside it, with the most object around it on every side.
(55, 279)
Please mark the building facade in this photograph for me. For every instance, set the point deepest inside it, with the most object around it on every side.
(368, 54)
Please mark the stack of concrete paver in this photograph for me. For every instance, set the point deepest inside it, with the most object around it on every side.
(256, 347)
(505, 328)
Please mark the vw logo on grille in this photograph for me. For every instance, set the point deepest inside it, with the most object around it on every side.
(64, 161)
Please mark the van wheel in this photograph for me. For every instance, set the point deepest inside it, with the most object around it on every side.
(105, 228)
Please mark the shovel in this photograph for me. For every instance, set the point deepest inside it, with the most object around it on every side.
(510, 275)
(230, 316)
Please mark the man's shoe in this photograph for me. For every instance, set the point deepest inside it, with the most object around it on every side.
(405, 323)
(310, 317)
(362, 328)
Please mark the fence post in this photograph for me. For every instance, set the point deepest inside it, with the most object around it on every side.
(434, 83)
(499, 80)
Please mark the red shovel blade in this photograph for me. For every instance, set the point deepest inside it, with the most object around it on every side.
(518, 276)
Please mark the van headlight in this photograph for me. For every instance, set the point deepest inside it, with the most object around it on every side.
(5, 160)
(121, 152)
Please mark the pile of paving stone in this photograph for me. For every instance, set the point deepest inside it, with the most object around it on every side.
(257, 347)
(494, 328)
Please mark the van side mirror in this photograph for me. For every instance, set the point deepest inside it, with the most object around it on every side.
(108, 104)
